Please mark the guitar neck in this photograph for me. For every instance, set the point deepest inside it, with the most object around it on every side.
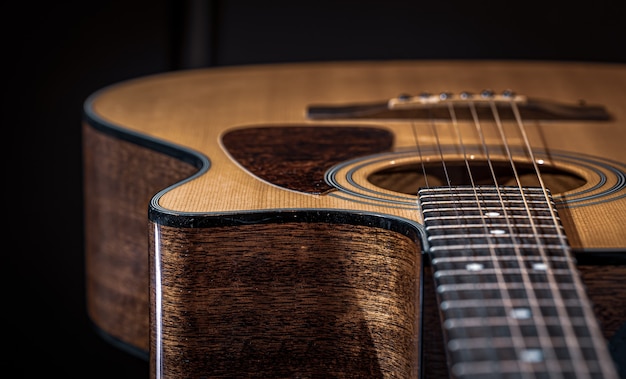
(509, 295)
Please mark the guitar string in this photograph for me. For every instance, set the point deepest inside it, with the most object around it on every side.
(491, 248)
(573, 346)
(455, 196)
(581, 367)
(419, 152)
(490, 244)
(433, 127)
(516, 331)
(570, 337)
(547, 347)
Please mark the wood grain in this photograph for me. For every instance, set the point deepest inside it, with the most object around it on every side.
(194, 109)
(297, 157)
(120, 179)
(285, 300)
(155, 151)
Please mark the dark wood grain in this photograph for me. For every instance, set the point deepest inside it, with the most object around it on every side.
(297, 157)
(120, 179)
(242, 288)
(118, 187)
(285, 300)
(605, 288)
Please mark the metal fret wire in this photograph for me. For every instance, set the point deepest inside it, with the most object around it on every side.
(543, 334)
(546, 341)
(449, 184)
(515, 331)
(588, 312)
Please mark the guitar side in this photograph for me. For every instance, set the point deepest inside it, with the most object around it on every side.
(204, 207)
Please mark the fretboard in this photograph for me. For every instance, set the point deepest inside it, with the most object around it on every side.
(511, 301)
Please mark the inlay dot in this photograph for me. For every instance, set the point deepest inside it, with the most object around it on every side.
(474, 267)
(520, 313)
(540, 266)
(492, 214)
(531, 355)
(497, 231)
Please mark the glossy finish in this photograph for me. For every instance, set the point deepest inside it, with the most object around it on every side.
(165, 186)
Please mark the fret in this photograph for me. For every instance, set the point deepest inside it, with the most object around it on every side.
(510, 298)
(483, 192)
(508, 202)
(504, 341)
(495, 276)
(481, 219)
(463, 212)
(485, 247)
(482, 291)
(495, 205)
(483, 323)
(510, 307)
(456, 287)
(537, 198)
(483, 203)
(477, 227)
(505, 258)
(496, 238)
(479, 349)
(475, 259)
(433, 191)
(515, 369)
(517, 313)
(517, 309)
(505, 261)
(517, 271)
(499, 302)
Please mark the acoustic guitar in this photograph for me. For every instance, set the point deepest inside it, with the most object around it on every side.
(376, 219)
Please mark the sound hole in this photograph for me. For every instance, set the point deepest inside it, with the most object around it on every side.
(408, 178)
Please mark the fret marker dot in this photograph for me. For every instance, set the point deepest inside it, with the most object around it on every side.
(520, 313)
(454, 345)
(492, 214)
(497, 231)
(531, 355)
(540, 266)
(474, 267)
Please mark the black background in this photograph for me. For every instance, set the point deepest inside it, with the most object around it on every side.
(55, 54)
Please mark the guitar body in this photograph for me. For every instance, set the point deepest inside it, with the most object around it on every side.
(230, 233)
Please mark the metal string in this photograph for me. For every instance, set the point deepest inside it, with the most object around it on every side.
(490, 244)
(516, 333)
(543, 334)
(576, 354)
(548, 357)
(419, 152)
